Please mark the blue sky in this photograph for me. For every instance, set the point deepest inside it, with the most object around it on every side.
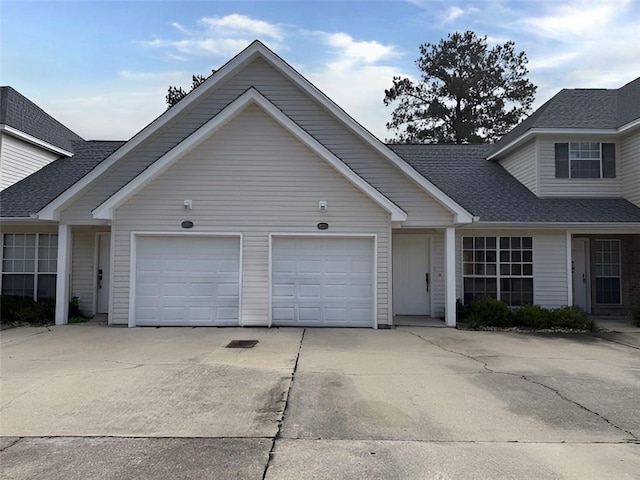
(103, 67)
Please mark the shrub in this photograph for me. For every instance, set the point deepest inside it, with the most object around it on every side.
(635, 315)
(74, 308)
(488, 312)
(25, 310)
(531, 316)
(571, 317)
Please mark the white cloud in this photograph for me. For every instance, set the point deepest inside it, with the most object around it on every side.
(219, 36)
(453, 12)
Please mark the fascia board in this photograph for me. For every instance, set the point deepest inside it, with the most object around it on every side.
(553, 131)
(14, 132)
(631, 227)
(106, 209)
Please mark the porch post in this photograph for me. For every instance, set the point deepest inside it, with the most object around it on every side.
(450, 276)
(62, 277)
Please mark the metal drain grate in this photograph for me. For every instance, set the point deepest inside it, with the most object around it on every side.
(242, 344)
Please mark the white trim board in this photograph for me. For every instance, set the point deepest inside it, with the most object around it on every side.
(34, 140)
(256, 49)
(132, 266)
(250, 97)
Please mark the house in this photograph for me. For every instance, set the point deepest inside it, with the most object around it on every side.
(257, 201)
(29, 138)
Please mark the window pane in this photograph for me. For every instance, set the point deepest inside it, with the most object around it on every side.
(46, 287)
(18, 285)
(467, 243)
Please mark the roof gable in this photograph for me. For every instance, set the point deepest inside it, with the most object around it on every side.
(251, 53)
(22, 118)
(250, 97)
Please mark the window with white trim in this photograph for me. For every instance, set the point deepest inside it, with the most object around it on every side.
(608, 276)
(29, 265)
(499, 267)
(585, 160)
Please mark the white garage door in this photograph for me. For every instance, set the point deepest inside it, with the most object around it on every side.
(323, 282)
(192, 281)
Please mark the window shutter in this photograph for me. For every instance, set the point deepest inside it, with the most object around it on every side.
(608, 160)
(562, 160)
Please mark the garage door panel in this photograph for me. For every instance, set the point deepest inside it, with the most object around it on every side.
(315, 281)
(187, 280)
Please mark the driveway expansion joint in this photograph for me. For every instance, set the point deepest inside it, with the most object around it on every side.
(283, 414)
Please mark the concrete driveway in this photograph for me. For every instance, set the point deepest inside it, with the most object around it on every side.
(85, 401)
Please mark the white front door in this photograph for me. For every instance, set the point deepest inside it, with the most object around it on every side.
(323, 282)
(103, 272)
(580, 263)
(411, 282)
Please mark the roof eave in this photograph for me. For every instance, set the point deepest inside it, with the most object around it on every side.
(14, 132)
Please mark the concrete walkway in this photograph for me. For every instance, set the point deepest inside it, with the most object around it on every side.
(426, 403)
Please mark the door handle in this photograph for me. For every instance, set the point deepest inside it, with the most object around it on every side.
(100, 278)
(426, 281)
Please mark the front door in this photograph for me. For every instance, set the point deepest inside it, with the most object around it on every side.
(580, 264)
(411, 282)
(103, 272)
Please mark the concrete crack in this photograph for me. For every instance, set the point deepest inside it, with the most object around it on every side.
(11, 444)
(277, 436)
(527, 379)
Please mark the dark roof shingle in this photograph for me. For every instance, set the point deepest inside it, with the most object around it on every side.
(580, 109)
(487, 190)
(31, 194)
(22, 114)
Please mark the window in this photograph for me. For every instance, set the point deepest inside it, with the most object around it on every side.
(585, 160)
(29, 264)
(500, 267)
(607, 263)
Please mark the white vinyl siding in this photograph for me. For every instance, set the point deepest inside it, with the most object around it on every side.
(550, 186)
(251, 177)
(422, 209)
(19, 159)
(549, 263)
(523, 165)
(629, 167)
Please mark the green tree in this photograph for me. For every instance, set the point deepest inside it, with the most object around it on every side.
(175, 94)
(467, 93)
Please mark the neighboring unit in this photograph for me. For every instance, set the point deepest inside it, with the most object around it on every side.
(256, 201)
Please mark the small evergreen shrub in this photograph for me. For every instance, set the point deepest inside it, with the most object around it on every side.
(487, 311)
(571, 317)
(19, 310)
(531, 316)
(635, 315)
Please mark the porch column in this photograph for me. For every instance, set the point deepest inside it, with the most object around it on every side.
(63, 273)
(450, 276)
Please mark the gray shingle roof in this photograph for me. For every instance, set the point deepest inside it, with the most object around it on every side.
(31, 194)
(487, 190)
(581, 108)
(22, 114)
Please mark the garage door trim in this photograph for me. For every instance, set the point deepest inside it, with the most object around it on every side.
(273, 236)
(133, 265)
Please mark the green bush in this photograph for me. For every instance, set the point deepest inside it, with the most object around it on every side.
(25, 310)
(531, 316)
(635, 315)
(488, 312)
(571, 317)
